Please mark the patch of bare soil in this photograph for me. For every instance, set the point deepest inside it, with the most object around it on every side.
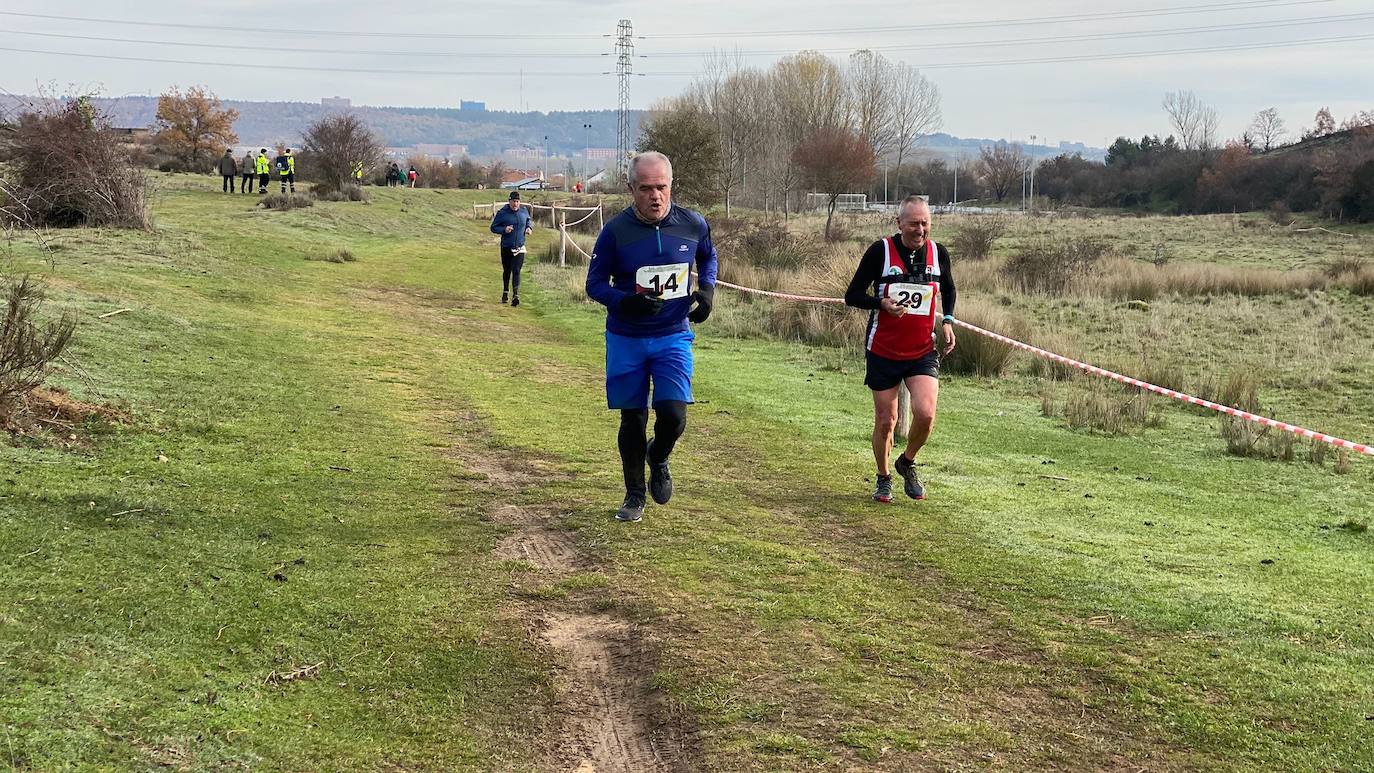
(610, 718)
(53, 414)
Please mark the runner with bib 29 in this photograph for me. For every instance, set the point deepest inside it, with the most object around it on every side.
(642, 272)
(908, 273)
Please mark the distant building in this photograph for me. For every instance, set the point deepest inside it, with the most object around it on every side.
(475, 107)
(1073, 147)
(523, 154)
(600, 154)
(341, 103)
(435, 150)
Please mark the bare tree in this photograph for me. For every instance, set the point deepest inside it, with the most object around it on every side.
(873, 113)
(1195, 122)
(834, 161)
(809, 95)
(727, 94)
(1001, 166)
(1267, 128)
(337, 143)
(917, 102)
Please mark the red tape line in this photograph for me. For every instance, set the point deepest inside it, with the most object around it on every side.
(1359, 448)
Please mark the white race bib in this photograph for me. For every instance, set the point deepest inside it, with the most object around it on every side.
(668, 281)
(917, 298)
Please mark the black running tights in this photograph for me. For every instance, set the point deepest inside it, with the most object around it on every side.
(670, 419)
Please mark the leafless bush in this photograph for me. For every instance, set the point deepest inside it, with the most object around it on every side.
(66, 167)
(976, 236)
(27, 347)
(1050, 265)
(336, 143)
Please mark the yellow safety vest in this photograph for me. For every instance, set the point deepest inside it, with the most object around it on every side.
(263, 165)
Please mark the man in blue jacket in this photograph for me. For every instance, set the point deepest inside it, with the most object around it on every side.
(514, 224)
(641, 271)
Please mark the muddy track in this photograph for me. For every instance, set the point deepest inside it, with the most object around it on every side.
(612, 719)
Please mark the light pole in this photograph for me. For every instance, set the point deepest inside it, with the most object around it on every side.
(544, 173)
(586, 150)
(1032, 182)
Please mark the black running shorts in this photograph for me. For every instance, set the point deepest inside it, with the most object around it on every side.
(885, 374)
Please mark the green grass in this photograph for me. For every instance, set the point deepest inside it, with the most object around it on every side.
(1122, 617)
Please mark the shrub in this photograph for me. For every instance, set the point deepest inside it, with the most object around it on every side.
(286, 201)
(977, 354)
(1279, 213)
(68, 168)
(338, 255)
(26, 346)
(976, 236)
(1051, 265)
(334, 144)
(349, 192)
(1104, 408)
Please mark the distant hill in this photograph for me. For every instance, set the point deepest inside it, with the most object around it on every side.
(485, 133)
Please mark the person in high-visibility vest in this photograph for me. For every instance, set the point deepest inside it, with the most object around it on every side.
(358, 173)
(286, 167)
(264, 169)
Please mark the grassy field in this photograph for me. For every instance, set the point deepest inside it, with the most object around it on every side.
(360, 519)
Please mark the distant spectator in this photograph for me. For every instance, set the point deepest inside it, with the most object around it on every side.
(286, 167)
(412, 175)
(247, 169)
(228, 170)
(393, 175)
(264, 169)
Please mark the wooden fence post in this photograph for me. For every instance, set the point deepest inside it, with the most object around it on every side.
(563, 242)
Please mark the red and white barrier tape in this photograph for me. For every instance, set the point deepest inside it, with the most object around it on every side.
(1359, 448)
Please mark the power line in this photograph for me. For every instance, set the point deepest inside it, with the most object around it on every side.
(327, 33)
(1107, 57)
(254, 66)
(1026, 21)
(279, 49)
(1351, 17)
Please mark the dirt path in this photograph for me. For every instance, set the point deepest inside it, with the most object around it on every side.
(611, 717)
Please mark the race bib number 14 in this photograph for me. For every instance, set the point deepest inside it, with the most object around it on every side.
(917, 298)
(668, 281)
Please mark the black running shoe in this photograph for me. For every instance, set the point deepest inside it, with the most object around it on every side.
(910, 483)
(660, 480)
(883, 491)
(632, 510)
(505, 297)
(515, 300)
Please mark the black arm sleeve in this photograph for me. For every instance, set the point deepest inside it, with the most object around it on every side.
(869, 271)
(947, 291)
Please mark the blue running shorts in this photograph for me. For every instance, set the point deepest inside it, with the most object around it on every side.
(631, 363)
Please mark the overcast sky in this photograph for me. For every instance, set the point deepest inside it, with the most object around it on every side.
(1091, 100)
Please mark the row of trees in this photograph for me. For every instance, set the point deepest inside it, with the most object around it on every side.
(1255, 171)
(741, 134)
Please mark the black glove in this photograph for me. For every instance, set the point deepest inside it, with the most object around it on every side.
(641, 305)
(705, 296)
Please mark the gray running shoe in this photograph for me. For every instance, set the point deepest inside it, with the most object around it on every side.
(910, 483)
(883, 491)
(632, 510)
(660, 480)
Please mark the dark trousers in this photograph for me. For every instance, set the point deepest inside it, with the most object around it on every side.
(246, 184)
(228, 185)
(289, 177)
(511, 263)
(263, 179)
(670, 419)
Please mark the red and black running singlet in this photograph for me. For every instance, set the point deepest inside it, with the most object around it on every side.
(912, 335)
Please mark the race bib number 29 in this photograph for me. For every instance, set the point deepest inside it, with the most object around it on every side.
(668, 281)
(917, 298)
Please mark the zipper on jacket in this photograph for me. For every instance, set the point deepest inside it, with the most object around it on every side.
(658, 234)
